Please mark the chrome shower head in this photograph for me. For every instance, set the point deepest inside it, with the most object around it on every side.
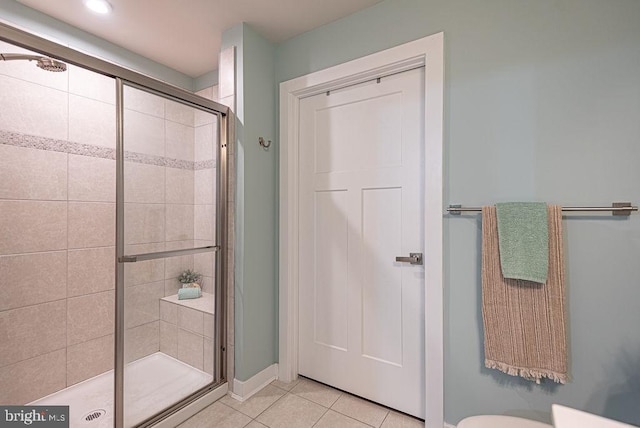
(51, 65)
(44, 63)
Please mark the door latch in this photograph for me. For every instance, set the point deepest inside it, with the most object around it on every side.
(414, 259)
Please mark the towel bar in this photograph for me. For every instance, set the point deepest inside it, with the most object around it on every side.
(617, 208)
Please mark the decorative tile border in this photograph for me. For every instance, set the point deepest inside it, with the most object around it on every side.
(53, 145)
(207, 164)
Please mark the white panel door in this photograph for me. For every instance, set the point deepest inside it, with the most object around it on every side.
(361, 313)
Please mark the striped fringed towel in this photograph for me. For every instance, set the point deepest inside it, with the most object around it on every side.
(524, 322)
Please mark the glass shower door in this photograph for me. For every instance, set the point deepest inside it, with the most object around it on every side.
(168, 199)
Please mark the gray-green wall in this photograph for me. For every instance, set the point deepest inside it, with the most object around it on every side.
(542, 102)
(255, 221)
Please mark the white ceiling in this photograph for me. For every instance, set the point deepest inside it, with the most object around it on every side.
(185, 34)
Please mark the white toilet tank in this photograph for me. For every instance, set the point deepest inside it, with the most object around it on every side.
(495, 421)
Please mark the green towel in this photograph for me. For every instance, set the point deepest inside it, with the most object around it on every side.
(523, 234)
(189, 293)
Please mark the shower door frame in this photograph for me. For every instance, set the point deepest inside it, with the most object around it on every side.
(226, 131)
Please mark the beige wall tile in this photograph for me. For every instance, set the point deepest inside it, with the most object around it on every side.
(190, 348)
(169, 338)
(92, 179)
(207, 284)
(32, 379)
(91, 271)
(32, 331)
(32, 226)
(144, 183)
(174, 266)
(179, 222)
(90, 317)
(141, 341)
(229, 101)
(147, 271)
(32, 174)
(208, 325)
(91, 85)
(143, 102)
(89, 359)
(143, 133)
(171, 287)
(206, 93)
(208, 356)
(203, 243)
(179, 141)
(43, 274)
(92, 122)
(178, 112)
(92, 224)
(203, 118)
(23, 108)
(144, 272)
(204, 263)
(205, 142)
(179, 245)
(227, 72)
(144, 223)
(142, 303)
(179, 186)
(190, 319)
(168, 312)
(28, 71)
(204, 220)
(204, 186)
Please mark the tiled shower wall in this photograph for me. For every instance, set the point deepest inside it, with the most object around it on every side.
(57, 221)
(178, 339)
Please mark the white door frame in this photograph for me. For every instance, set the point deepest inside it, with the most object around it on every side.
(427, 52)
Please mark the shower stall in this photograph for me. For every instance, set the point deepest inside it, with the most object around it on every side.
(112, 184)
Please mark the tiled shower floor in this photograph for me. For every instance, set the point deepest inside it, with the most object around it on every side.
(151, 384)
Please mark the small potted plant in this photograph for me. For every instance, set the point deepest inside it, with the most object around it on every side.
(190, 279)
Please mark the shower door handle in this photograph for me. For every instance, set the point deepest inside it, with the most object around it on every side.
(414, 259)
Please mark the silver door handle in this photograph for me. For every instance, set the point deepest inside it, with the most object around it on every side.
(414, 259)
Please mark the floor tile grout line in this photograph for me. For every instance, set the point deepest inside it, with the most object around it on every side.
(385, 418)
(322, 416)
(270, 406)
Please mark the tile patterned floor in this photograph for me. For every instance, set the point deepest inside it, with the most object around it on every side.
(300, 404)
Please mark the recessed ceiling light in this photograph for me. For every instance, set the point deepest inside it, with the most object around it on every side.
(98, 6)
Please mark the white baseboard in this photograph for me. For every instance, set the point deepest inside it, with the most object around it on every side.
(242, 390)
(446, 425)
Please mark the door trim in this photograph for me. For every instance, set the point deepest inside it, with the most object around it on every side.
(427, 52)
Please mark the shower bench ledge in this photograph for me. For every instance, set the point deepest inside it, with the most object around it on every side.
(203, 304)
